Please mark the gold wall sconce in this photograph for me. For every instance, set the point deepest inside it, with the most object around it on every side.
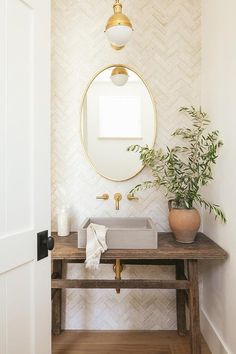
(119, 76)
(118, 28)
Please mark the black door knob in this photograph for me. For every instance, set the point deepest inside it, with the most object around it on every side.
(50, 243)
(44, 244)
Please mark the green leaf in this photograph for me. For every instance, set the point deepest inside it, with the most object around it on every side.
(181, 171)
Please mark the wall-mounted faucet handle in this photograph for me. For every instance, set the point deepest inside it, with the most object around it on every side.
(117, 197)
(105, 196)
(131, 196)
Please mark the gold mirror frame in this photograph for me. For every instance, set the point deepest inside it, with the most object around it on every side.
(81, 119)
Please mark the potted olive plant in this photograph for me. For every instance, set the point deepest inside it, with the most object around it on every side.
(182, 171)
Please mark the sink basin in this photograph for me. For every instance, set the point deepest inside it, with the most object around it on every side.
(128, 233)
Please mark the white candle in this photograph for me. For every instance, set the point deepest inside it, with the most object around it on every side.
(63, 228)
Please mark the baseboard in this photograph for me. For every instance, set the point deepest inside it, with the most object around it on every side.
(212, 337)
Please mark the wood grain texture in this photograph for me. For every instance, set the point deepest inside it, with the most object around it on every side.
(194, 314)
(119, 284)
(129, 261)
(57, 298)
(123, 342)
(168, 248)
(180, 299)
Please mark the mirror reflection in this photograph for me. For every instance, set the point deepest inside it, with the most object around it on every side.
(117, 111)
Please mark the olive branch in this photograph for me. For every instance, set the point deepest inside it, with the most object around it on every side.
(180, 172)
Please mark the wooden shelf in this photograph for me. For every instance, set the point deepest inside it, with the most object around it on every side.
(203, 248)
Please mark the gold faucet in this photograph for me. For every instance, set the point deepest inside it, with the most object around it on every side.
(117, 197)
(131, 196)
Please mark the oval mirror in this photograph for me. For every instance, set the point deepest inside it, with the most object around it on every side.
(117, 111)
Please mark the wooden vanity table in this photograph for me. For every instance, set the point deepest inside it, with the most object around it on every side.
(184, 257)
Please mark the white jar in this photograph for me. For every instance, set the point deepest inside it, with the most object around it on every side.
(63, 228)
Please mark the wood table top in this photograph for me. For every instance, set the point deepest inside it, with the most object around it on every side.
(203, 248)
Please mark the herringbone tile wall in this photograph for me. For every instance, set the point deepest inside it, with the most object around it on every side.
(165, 49)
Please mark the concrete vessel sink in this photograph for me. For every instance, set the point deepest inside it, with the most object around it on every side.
(123, 233)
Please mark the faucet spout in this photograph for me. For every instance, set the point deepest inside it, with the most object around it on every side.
(117, 198)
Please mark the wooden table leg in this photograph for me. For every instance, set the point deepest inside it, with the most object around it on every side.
(194, 307)
(56, 303)
(180, 299)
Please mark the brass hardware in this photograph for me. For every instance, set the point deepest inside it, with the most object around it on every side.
(117, 197)
(131, 196)
(104, 196)
(119, 70)
(118, 18)
(116, 47)
(118, 268)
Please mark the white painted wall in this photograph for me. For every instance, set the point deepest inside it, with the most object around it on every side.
(219, 98)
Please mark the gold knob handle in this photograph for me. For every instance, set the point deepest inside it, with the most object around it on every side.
(130, 196)
(104, 196)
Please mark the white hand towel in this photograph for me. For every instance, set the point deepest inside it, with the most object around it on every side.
(96, 244)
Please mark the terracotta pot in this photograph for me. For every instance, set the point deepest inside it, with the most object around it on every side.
(184, 223)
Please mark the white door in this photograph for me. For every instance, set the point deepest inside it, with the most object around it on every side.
(25, 309)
